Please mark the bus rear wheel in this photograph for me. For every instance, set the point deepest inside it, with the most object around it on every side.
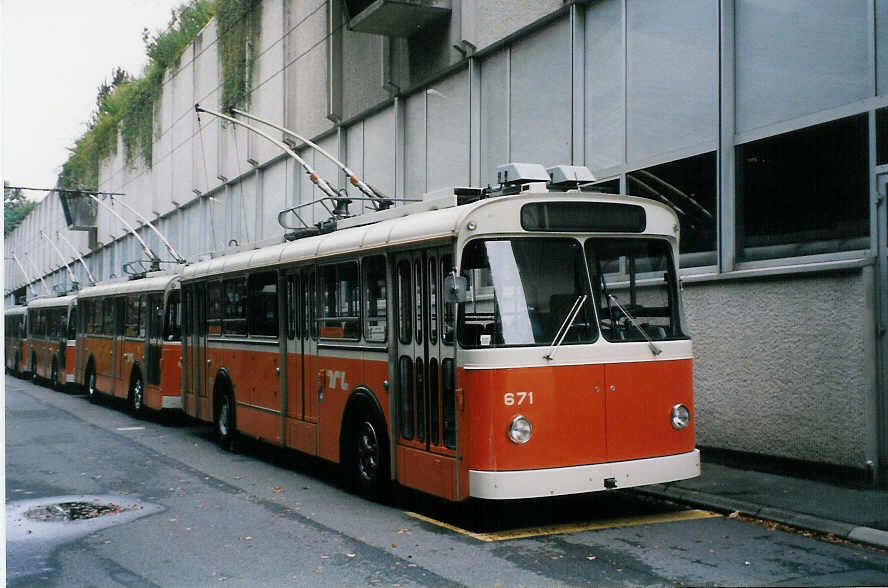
(366, 458)
(91, 391)
(223, 421)
(137, 395)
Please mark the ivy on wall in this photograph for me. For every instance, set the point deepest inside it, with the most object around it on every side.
(239, 28)
(127, 105)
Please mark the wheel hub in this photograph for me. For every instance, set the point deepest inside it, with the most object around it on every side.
(368, 452)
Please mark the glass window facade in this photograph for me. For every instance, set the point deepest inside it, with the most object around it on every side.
(804, 192)
(795, 58)
(688, 187)
(671, 103)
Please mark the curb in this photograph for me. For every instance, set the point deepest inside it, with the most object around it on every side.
(858, 534)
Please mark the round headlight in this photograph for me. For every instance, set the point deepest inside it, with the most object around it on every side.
(520, 430)
(681, 416)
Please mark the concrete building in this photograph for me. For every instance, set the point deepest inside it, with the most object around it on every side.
(765, 124)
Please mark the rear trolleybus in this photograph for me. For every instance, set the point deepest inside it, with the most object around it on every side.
(513, 347)
(51, 339)
(15, 338)
(128, 341)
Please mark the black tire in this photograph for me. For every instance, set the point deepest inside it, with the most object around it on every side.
(34, 375)
(136, 398)
(91, 390)
(223, 420)
(366, 456)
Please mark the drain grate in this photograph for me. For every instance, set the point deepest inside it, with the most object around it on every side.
(71, 511)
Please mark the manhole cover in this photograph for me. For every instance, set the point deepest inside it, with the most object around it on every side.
(71, 511)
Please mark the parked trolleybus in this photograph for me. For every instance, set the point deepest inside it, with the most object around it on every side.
(15, 338)
(51, 339)
(128, 342)
(513, 347)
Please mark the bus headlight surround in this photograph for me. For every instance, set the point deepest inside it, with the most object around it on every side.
(520, 430)
(680, 416)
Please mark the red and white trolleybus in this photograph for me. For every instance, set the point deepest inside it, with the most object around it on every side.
(15, 338)
(519, 346)
(128, 341)
(51, 339)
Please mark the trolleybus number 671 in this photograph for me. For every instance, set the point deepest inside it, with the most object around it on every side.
(517, 398)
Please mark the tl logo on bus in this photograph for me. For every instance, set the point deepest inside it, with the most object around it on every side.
(334, 376)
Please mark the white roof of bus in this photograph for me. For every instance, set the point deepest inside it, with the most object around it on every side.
(156, 283)
(413, 228)
(15, 310)
(54, 302)
(417, 227)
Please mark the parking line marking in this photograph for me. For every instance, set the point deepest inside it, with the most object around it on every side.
(130, 428)
(567, 528)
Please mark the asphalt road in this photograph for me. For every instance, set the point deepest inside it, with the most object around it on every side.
(182, 512)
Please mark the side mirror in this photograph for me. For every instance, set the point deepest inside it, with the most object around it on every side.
(455, 288)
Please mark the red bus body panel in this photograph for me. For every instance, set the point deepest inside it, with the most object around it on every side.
(580, 414)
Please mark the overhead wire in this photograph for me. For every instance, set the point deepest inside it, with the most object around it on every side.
(271, 76)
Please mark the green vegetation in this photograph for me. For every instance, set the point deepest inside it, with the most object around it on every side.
(15, 207)
(126, 105)
(239, 27)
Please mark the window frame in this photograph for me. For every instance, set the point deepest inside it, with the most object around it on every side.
(349, 323)
(253, 326)
(366, 264)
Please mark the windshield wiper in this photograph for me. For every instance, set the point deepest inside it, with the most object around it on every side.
(565, 326)
(654, 349)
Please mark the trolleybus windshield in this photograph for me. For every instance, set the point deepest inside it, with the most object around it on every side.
(521, 290)
(634, 289)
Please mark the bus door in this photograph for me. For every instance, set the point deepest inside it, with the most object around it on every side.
(426, 428)
(189, 330)
(154, 339)
(301, 415)
(196, 403)
(311, 380)
(118, 384)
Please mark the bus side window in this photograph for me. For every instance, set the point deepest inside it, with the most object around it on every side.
(108, 316)
(120, 306)
(339, 304)
(293, 322)
(448, 314)
(234, 307)
(405, 308)
(86, 310)
(132, 316)
(214, 308)
(262, 306)
(144, 309)
(154, 308)
(173, 322)
(374, 299)
(97, 314)
(61, 326)
(72, 323)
